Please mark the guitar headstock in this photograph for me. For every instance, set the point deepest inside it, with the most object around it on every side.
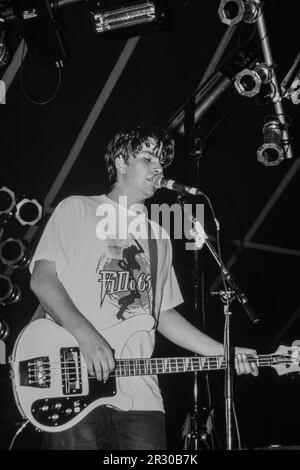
(286, 360)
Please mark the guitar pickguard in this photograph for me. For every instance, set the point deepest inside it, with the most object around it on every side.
(57, 411)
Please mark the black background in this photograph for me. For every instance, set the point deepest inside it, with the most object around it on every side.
(163, 71)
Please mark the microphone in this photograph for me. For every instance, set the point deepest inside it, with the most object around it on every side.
(160, 182)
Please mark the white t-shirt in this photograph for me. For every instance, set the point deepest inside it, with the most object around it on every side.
(108, 278)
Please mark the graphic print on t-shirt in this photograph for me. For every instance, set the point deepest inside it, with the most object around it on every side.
(125, 279)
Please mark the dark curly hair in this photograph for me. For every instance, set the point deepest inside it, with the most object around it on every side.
(129, 142)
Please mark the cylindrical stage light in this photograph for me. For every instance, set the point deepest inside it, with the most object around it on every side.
(7, 200)
(29, 211)
(271, 153)
(9, 292)
(124, 16)
(231, 12)
(14, 253)
(248, 82)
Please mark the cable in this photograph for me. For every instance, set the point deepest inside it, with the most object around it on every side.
(17, 433)
(26, 94)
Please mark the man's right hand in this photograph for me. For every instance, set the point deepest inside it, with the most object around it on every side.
(96, 352)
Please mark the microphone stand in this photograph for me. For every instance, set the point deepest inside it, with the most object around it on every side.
(198, 429)
(231, 292)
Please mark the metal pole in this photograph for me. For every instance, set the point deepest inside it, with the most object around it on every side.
(228, 378)
(277, 99)
(218, 54)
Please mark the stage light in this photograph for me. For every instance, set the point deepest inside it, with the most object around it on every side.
(271, 153)
(231, 12)
(29, 211)
(248, 82)
(14, 253)
(9, 292)
(7, 200)
(41, 30)
(4, 332)
(112, 16)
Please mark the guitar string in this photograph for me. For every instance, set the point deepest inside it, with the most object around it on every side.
(167, 363)
(65, 376)
(128, 372)
(137, 369)
(210, 359)
(146, 364)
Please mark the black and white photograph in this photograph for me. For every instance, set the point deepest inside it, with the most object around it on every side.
(149, 228)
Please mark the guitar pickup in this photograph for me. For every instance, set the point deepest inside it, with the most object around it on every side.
(71, 370)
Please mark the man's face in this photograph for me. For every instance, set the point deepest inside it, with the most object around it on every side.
(140, 170)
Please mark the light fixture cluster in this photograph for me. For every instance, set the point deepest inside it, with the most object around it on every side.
(276, 145)
(108, 16)
(14, 252)
(27, 211)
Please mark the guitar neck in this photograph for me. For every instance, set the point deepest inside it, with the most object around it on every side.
(171, 365)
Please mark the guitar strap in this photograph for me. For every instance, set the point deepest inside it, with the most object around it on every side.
(39, 313)
(153, 263)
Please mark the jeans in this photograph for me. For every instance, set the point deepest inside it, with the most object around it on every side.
(106, 428)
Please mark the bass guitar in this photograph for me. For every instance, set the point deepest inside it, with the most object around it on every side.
(54, 391)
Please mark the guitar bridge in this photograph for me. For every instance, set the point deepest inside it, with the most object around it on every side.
(71, 370)
(35, 372)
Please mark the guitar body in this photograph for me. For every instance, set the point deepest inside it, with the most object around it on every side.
(50, 379)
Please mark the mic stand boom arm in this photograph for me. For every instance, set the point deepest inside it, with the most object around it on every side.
(201, 238)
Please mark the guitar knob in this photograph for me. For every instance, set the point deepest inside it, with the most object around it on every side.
(45, 408)
(68, 411)
(58, 406)
(54, 417)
